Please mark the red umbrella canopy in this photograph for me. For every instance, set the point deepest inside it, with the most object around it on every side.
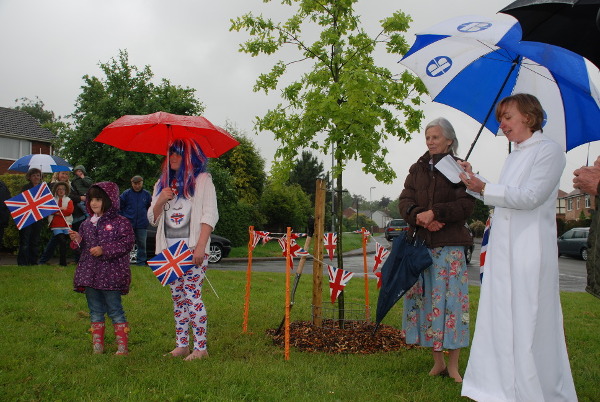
(153, 133)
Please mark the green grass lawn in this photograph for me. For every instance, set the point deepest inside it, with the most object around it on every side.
(46, 349)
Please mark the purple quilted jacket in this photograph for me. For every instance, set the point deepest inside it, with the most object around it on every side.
(114, 234)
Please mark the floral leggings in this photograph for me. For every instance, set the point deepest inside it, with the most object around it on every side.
(188, 307)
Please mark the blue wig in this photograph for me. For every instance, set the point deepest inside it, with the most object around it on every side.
(192, 164)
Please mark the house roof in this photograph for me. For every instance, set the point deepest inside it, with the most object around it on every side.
(18, 124)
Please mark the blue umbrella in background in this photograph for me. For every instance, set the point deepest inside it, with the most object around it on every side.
(471, 62)
(46, 163)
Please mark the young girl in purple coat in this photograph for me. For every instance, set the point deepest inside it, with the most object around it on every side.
(103, 272)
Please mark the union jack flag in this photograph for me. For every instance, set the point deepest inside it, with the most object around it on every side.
(338, 278)
(262, 235)
(172, 263)
(378, 275)
(484, 243)
(380, 253)
(295, 249)
(330, 240)
(255, 239)
(32, 205)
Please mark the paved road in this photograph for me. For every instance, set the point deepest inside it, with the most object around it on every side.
(572, 272)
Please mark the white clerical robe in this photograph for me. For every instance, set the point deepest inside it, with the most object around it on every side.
(518, 351)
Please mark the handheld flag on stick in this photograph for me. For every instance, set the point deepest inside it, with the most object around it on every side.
(338, 278)
(172, 263)
(32, 205)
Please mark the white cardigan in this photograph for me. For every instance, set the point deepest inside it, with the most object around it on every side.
(204, 210)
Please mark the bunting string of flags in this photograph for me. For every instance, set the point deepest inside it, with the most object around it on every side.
(330, 243)
(380, 253)
(338, 278)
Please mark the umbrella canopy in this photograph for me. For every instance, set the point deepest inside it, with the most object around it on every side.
(46, 163)
(572, 24)
(400, 272)
(153, 133)
(472, 62)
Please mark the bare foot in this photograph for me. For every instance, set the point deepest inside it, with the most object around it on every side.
(197, 354)
(441, 371)
(454, 374)
(178, 352)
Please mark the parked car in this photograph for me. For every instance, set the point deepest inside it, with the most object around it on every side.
(219, 247)
(469, 249)
(394, 228)
(574, 243)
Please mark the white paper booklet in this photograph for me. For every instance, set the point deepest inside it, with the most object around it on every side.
(450, 168)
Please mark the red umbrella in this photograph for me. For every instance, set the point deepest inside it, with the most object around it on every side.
(153, 133)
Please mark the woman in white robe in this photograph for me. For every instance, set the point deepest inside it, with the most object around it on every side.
(518, 351)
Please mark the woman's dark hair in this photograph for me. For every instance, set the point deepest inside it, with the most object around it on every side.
(97, 192)
(31, 172)
(528, 105)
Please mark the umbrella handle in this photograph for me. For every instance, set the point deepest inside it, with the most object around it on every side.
(515, 62)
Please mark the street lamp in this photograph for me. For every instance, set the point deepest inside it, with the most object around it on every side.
(370, 203)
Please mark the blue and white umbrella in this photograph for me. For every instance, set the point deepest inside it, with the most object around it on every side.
(46, 163)
(472, 62)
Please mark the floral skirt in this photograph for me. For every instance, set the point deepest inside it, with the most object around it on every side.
(436, 308)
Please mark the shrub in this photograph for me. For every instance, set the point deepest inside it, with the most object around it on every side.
(477, 227)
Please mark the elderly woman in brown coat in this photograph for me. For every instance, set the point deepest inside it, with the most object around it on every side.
(436, 309)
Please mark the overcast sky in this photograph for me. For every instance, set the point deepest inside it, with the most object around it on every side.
(48, 46)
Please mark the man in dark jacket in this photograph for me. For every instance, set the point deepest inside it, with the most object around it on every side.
(135, 202)
(587, 179)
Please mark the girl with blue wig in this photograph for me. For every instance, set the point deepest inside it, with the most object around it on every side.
(184, 207)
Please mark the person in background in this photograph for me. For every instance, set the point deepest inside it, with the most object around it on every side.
(60, 222)
(184, 207)
(29, 236)
(4, 212)
(519, 351)
(81, 184)
(135, 202)
(103, 272)
(587, 179)
(63, 177)
(436, 308)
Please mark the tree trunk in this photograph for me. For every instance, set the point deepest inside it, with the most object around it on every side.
(340, 260)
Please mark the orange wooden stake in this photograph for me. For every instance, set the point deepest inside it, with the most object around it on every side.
(248, 279)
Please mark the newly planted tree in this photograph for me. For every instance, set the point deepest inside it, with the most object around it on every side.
(343, 103)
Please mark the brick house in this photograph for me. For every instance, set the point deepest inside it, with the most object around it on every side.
(20, 135)
(574, 203)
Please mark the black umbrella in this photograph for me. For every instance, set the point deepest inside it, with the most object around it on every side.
(401, 270)
(570, 24)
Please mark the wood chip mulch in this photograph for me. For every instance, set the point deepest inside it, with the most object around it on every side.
(355, 337)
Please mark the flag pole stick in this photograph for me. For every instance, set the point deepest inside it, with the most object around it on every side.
(248, 278)
(211, 286)
(296, 281)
